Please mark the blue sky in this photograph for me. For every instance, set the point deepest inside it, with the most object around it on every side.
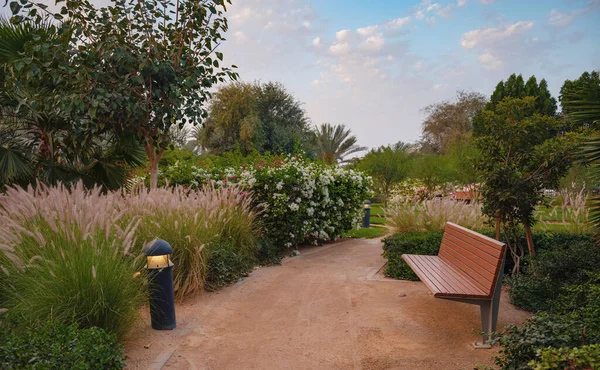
(373, 65)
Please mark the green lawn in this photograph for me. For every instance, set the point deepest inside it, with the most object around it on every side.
(378, 221)
(376, 210)
(372, 232)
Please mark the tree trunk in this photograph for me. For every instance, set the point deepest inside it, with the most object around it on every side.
(529, 237)
(153, 158)
(498, 228)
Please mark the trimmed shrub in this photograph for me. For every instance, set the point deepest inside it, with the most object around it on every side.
(58, 346)
(570, 263)
(410, 243)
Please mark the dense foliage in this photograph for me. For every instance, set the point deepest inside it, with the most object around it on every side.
(516, 167)
(156, 73)
(300, 200)
(73, 255)
(516, 87)
(58, 346)
(409, 243)
(255, 117)
(387, 166)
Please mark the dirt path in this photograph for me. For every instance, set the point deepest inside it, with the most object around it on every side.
(325, 309)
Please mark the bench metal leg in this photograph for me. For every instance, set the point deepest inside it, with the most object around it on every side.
(489, 312)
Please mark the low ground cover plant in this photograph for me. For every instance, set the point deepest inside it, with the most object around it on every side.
(57, 346)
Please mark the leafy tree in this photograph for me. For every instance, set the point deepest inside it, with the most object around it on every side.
(521, 153)
(388, 166)
(449, 123)
(334, 142)
(515, 87)
(134, 68)
(579, 98)
(254, 116)
(36, 141)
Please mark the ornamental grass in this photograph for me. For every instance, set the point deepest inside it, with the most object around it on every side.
(432, 215)
(71, 254)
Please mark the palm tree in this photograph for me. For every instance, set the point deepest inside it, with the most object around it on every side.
(584, 105)
(334, 143)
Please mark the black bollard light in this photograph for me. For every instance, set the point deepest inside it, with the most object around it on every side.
(160, 276)
(367, 217)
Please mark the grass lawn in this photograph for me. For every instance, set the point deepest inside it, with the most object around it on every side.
(378, 221)
(376, 210)
(372, 232)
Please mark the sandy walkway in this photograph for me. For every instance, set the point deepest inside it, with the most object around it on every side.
(326, 309)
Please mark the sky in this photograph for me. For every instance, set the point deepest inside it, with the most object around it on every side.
(374, 65)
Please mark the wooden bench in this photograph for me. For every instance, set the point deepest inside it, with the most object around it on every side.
(469, 269)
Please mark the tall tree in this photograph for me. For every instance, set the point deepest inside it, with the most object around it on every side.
(580, 95)
(520, 154)
(450, 122)
(254, 116)
(515, 87)
(387, 165)
(134, 68)
(335, 142)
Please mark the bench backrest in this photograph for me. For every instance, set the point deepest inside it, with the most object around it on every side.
(476, 256)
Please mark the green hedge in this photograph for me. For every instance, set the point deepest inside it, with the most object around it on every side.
(56, 346)
(395, 246)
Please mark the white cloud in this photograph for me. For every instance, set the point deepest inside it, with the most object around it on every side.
(315, 83)
(306, 24)
(398, 23)
(420, 14)
(487, 2)
(490, 62)
(242, 15)
(373, 43)
(342, 35)
(367, 31)
(418, 66)
(487, 36)
(559, 19)
(240, 37)
(316, 41)
(461, 3)
(339, 48)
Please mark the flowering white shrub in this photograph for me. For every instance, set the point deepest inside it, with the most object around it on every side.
(300, 201)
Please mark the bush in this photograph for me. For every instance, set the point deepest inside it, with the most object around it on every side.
(522, 343)
(410, 243)
(226, 266)
(584, 358)
(56, 346)
(570, 263)
(300, 201)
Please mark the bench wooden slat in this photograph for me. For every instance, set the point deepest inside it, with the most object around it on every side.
(442, 279)
(469, 269)
(481, 255)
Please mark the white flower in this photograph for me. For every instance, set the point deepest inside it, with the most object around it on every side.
(279, 185)
(294, 207)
